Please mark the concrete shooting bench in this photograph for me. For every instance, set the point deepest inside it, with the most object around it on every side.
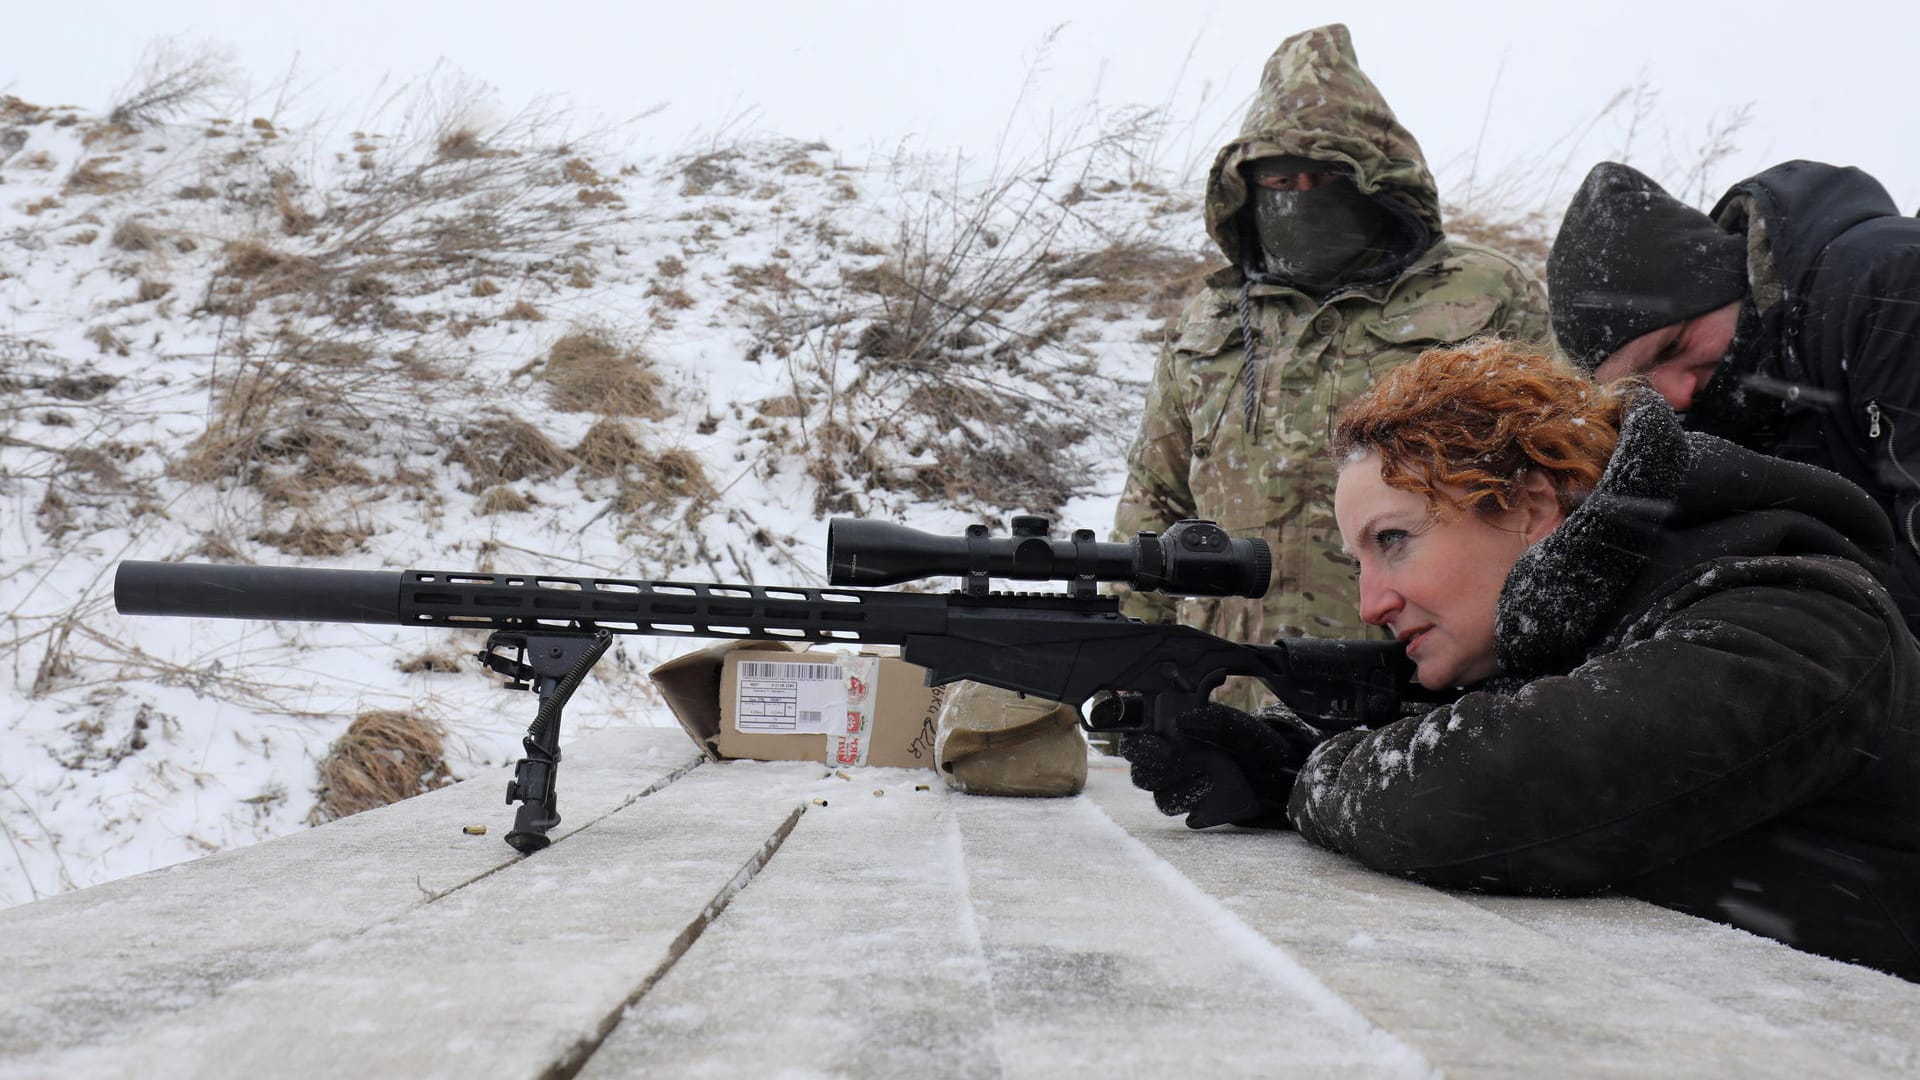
(778, 919)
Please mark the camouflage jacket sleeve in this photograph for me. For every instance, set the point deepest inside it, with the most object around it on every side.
(1526, 312)
(1523, 312)
(1157, 492)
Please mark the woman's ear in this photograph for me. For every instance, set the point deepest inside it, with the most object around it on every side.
(1538, 505)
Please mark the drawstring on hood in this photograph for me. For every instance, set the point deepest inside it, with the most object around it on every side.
(1249, 366)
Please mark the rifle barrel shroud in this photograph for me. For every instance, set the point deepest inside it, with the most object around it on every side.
(1062, 647)
(1045, 644)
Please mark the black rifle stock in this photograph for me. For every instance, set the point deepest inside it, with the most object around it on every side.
(549, 629)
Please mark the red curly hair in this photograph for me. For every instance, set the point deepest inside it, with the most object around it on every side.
(1477, 417)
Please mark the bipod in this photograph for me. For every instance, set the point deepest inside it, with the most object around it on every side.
(551, 664)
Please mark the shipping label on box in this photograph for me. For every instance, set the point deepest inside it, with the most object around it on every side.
(762, 700)
(789, 697)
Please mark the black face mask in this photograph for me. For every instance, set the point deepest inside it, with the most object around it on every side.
(1323, 237)
(1745, 402)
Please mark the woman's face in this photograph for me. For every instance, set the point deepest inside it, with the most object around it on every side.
(1434, 578)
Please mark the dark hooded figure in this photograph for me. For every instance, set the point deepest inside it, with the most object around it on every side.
(1787, 321)
(1683, 678)
(1339, 268)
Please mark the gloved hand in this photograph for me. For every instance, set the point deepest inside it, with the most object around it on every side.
(1266, 749)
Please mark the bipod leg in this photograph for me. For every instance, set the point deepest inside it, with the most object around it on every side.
(552, 665)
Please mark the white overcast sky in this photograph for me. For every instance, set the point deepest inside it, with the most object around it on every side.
(1831, 80)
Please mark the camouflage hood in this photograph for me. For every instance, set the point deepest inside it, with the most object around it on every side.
(1314, 101)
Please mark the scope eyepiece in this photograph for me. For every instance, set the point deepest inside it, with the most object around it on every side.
(1192, 558)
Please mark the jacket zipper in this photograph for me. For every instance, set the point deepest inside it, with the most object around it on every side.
(1876, 420)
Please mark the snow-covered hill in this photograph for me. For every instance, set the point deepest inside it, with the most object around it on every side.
(460, 346)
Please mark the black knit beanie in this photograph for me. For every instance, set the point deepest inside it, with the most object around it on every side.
(1630, 259)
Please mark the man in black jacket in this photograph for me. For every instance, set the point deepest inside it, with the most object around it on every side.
(1788, 320)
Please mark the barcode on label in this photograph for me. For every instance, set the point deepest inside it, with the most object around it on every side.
(812, 718)
(761, 669)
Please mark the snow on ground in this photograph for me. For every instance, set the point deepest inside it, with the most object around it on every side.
(441, 346)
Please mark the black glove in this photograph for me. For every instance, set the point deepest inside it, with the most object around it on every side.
(1267, 751)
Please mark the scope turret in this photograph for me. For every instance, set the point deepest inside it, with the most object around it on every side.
(1192, 558)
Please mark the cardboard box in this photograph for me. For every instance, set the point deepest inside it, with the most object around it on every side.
(767, 701)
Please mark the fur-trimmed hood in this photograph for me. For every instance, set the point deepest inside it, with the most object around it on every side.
(1668, 502)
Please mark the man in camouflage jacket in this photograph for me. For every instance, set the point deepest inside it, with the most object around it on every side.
(1239, 434)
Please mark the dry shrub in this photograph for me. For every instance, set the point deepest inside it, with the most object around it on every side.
(78, 387)
(134, 234)
(302, 421)
(669, 477)
(460, 144)
(108, 339)
(588, 371)
(609, 449)
(786, 405)
(310, 537)
(294, 218)
(1526, 235)
(952, 356)
(53, 515)
(443, 661)
(501, 499)
(505, 450)
(1129, 274)
(701, 174)
(521, 311)
(447, 204)
(252, 272)
(95, 176)
(172, 77)
(384, 757)
(671, 296)
(250, 258)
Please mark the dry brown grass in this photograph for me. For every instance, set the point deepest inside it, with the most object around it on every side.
(501, 499)
(252, 272)
(609, 449)
(589, 371)
(305, 422)
(384, 757)
(310, 537)
(662, 482)
(97, 176)
(441, 660)
(108, 339)
(1129, 275)
(135, 234)
(505, 450)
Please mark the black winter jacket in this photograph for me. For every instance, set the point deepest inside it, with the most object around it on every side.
(1835, 277)
(1707, 701)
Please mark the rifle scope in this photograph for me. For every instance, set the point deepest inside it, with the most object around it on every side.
(1192, 558)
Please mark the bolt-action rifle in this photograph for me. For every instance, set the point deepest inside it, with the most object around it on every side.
(548, 630)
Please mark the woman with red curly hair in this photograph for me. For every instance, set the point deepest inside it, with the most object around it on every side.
(1683, 679)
